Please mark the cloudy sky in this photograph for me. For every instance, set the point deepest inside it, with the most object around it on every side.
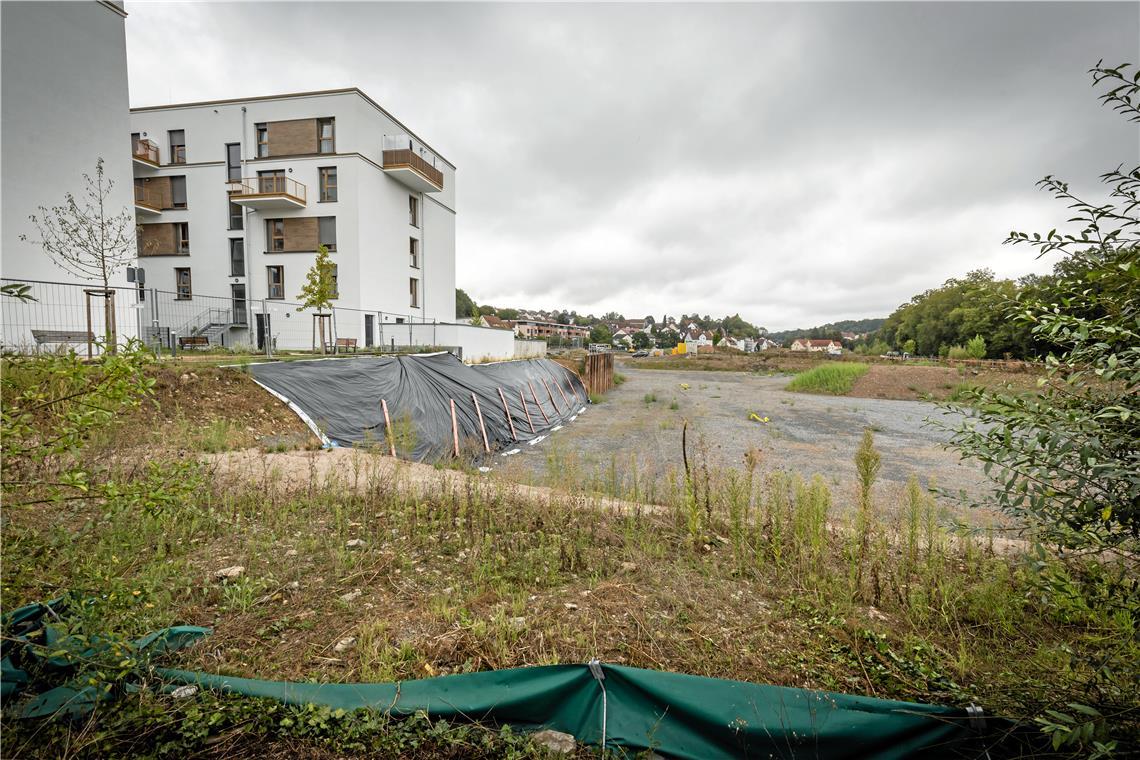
(795, 163)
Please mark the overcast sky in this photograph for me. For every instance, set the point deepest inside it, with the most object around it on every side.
(795, 163)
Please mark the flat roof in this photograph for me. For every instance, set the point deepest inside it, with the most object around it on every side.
(288, 95)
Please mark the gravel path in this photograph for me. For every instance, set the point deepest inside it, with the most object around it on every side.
(805, 433)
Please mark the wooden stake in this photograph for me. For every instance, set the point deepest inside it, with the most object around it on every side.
(507, 411)
(535, 397)
(479, 414)
(454, 429)
(522, 397)
(388, 428)
(551, 394)
(563, 393)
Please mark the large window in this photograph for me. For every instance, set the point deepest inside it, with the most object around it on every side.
(276, 277)
(177, 146)
(237, 220)
(233, 160)
(326, 131)
(414, 291)
(271, 181)
(275, 234)
(237, 257)
(328, 183)
(182, 238)
(414, 253)
(182, 289)
(262, 131)
(413, 211)
(178, 192)
(327, 232)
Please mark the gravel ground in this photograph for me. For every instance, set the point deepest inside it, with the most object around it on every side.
(805, 433)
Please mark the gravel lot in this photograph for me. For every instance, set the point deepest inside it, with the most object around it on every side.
(805, 433)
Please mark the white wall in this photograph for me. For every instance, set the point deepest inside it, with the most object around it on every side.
(528, 349)
(64, 83)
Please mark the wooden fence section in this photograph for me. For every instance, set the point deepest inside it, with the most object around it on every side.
(599, 373)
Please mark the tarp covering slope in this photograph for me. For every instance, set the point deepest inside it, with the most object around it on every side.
(342, 398)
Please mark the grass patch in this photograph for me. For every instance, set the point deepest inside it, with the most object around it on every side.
(835, 379)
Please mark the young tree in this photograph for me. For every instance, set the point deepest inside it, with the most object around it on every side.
(319, 290)
(642, 340)
(976, 347)
(92, 241)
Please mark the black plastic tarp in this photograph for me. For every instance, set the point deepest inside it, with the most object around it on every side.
(342, 399)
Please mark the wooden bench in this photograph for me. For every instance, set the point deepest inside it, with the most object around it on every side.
(193, 341)
(345, 343)
(62, 336)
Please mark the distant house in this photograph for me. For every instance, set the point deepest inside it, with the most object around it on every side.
(622, 337)
(806, 344)
(730, 342)
(490, 320)
(698, 337)
(766, 343)
(532, 328)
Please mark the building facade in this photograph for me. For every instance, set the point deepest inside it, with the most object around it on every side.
(532, 328)
(65, 106)
(234, 197)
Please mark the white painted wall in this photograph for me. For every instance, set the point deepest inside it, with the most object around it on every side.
(64, 83)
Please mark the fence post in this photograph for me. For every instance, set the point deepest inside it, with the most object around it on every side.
(267, 331)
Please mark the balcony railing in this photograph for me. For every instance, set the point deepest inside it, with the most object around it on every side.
(406, 158)
(146, 200)
(267, 191)
(146, 151)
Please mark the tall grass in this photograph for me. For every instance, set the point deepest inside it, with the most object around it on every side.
(835, 379)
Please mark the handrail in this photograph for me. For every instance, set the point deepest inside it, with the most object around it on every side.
(408, 157)
(145, 150)
(267, 185)
(202, 321)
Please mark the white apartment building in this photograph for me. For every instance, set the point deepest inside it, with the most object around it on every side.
(233, 198)
(65, 105)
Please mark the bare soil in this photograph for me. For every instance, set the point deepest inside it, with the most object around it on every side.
(913, 382)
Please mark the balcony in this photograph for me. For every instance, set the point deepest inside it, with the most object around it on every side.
(146, 202)
(412, 169)
(267, 192)
(145, 154)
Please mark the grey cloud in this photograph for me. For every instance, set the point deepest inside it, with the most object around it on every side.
(795, 163)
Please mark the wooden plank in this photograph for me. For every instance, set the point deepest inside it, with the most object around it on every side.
(562, 393)
(388, 428)
(536, 403)
(550, 393)
(507, 411)
(522, 397)
(482, 427)
(454, 429)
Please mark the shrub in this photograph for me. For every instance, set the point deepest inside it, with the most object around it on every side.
(835, 379)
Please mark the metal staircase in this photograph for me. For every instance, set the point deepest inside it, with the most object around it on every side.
(214, 323)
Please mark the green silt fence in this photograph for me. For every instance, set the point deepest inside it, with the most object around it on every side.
(626, 709)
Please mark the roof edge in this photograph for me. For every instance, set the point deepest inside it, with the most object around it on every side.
(292, 95)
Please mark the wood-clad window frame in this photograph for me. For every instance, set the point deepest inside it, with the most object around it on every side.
(414, 252)
(414, 211)
(261, 131)
(326, 232)
(182, 238)
(177, 141)
(326, 135)
(327, 175)
(275, 280)
(414, 292)
(275, 235)
(183, 290)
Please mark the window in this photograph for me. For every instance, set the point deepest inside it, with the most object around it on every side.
(135, 139)
(275, 234)
(177, 146)
(178, 192)
(233, 160)
(271, 181)
(335, 282)
(327, 232)
(237, 257)
(182, 283)
(414, 290)
(413, 211)
(414, 253)
(326, 132)
(262, 140)
(182, 238)
(328, 183)
(276, 281)
(237, 220)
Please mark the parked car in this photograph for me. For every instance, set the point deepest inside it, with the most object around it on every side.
(639, 354)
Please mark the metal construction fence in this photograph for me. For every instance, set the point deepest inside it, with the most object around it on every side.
(82, 316)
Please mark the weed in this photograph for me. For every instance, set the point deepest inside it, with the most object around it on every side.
(835, 378)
